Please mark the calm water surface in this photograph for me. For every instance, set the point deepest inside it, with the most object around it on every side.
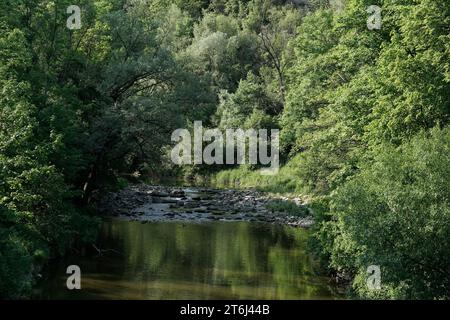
(217, 260)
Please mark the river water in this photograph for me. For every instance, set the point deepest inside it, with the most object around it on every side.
(175, 260)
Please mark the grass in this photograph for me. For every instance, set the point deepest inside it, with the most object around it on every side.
(285, 181)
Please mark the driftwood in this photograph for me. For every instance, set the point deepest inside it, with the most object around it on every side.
(102, 251)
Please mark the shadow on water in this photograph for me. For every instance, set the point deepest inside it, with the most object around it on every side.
(217, 260)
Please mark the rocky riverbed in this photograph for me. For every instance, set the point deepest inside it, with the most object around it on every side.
(147, 203)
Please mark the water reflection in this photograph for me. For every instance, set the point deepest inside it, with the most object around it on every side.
(218, 260)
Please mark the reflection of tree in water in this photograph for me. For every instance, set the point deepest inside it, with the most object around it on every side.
(247, 260)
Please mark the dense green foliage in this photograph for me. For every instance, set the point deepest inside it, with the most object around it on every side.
(364, 118)
(395, 213)
(38, 158)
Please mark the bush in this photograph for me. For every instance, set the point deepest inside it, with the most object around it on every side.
(396, 214)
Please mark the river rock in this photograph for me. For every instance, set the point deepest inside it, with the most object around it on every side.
(158, 203)
(156, 193)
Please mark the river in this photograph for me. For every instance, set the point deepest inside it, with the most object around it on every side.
(175, 260)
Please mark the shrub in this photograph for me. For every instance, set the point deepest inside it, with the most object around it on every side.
(396, 214)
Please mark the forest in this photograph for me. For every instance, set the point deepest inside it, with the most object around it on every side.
(363, 114)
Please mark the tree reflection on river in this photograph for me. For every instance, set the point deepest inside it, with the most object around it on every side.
(217, 260)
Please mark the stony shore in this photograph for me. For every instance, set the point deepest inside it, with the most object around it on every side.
(147, 203)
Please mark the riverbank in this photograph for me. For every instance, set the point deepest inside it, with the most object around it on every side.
(147, 203)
